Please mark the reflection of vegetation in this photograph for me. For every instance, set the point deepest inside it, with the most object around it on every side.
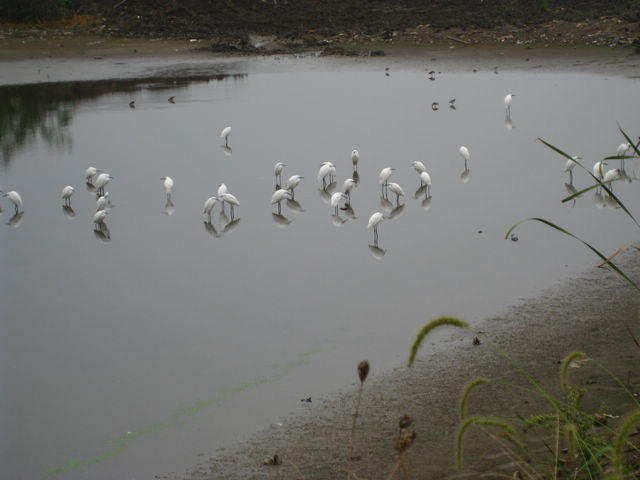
(45, 110)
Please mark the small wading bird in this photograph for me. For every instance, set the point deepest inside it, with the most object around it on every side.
(597, 169)
(568, 167)
(66, 194)
(222, 189)
(103, 202)
(279, 167)
(99, 216)
(374, 220)
(90, 173)
(383, 178)
(208, 206)
(168, 185)
(355, 156)
(335, 200)
(326, 169)
(464, 151)
(507, 102)
(349, 184)
(231, 200)
(425, 179)
(102, 181)
(226, 131)
(293, 182)
(15, 198)
(397, 189)
(418, 166)
(278, 196)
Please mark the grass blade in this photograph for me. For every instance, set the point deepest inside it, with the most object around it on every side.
(429, 327)
(592, 248)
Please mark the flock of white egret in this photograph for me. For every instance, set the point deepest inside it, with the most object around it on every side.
(97, 180)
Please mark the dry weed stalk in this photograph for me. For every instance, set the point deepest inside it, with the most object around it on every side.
(363, 371)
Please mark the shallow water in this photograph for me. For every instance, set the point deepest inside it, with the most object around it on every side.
(130, 349)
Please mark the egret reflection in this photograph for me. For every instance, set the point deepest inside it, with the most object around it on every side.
(102, 232)
(337, 220)
(396, 211)
(349, 212)
(571, 190)
(16, 219)
(420, 191)
(280, 219)
(464, 176)
(294, 205)
(598, 199)
(231, 226)
(68, 211)
(377, 252)
(508, 122)
(426, 203)
(356, 176)
(91, 187)
(324, 195)
(210, 229)
(228, 151)
(386, 205)
(169, 207)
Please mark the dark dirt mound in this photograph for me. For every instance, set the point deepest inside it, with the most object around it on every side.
(293, 18)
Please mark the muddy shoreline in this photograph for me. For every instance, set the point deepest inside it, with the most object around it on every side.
(590, 313)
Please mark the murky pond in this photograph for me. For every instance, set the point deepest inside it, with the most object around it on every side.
(133, 347)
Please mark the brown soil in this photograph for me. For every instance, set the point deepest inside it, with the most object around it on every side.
(344, 27)
(594, 313)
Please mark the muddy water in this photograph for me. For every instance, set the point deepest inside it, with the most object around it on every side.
(132, 346)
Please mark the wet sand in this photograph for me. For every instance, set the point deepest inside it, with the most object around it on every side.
(592, 313)
(46, 59)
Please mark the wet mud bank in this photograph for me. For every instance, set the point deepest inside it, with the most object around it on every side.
(595, 313)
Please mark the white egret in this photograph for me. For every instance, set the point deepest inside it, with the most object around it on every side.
(507, 102)
(293, 182)
(15, 198)
(597, 169)
(222, 189)
(383, 178)
(355, 156)
(418, 166)
(568, 167)
(168, 184)
(335, 200)
(374, 220)
(103, 202)
(90, 173)
(231, 200)
(464, 151)
(397, 189)
(278, 196)
(66, 194)
(99, 216)
(279, 167)
(102, 181)
(425, 179)
(622, 149)
(226, 131)
(611, 175)
(348, 185)
(325, 169)
(208, 206)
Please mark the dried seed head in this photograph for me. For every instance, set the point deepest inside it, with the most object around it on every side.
(405, 421)
(363, 370)
(404, 440)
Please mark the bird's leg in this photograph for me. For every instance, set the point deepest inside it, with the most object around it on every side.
(226, 141)
(279, 208)
(292, 194)
(571, 177)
